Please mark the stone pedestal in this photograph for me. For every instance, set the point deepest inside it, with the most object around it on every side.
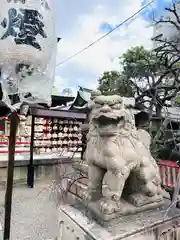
(76, 223)
(129, 204)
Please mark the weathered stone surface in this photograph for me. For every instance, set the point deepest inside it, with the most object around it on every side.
(148, 225)
(125, 208)
(115, 148)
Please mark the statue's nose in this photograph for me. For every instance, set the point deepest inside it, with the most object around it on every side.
(105, 109)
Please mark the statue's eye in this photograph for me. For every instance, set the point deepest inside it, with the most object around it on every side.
(116, 106)
(98, 105)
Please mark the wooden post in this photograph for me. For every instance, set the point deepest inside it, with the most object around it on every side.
(30, 173)
(10, 172)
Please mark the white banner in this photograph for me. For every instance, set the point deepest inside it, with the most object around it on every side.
(28, 48)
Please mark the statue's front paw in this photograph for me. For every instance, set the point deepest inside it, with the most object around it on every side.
(136, 200)
(109, 206)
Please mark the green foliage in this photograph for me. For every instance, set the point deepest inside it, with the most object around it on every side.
(115, 83)
(177, 101)
(138, 62)
(144, 76)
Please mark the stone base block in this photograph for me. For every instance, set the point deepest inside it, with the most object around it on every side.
(125, 208)
(75, 222)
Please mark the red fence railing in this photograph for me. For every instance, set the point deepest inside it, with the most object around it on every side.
(168, 172)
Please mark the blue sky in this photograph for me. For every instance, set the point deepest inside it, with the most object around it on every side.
(81, 22)
(158, 9)
(148, 14)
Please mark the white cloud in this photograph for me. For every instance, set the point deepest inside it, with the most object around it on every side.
(103, 56)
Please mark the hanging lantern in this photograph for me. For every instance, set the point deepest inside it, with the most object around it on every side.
(27, 49)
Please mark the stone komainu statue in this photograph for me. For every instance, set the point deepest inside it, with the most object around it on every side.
(114, 146)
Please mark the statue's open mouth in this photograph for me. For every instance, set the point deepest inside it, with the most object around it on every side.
(104, 121)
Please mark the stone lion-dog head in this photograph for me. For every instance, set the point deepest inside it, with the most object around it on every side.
(108, 114)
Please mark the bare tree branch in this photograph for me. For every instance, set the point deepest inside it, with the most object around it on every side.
(174, 11)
